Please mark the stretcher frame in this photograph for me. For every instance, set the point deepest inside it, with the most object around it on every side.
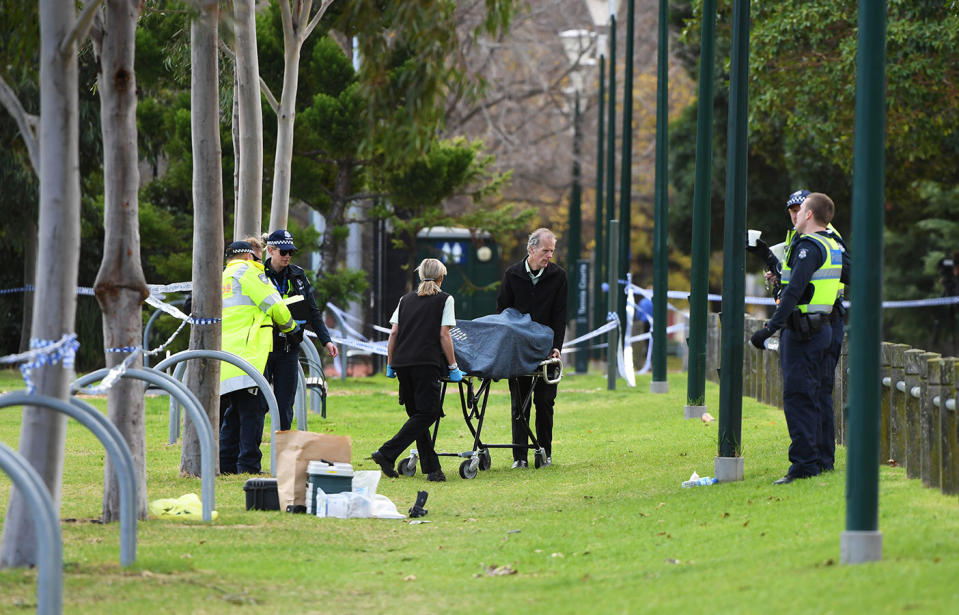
(473, 401)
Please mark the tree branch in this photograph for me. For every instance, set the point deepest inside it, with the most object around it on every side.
(82, 26)
(26, 122)
(226, 49)
(268, 95)
(316, 18)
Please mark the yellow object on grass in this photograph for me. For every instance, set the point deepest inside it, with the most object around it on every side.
(187, 507)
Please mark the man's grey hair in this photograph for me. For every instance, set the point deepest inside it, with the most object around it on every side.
(538, 235)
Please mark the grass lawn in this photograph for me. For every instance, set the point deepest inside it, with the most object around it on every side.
(607, 529)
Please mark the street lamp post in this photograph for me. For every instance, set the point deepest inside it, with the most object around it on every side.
(601, 12)
(576, 44)
(626, 173)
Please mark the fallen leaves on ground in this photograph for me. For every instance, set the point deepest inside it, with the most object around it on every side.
(498, 571)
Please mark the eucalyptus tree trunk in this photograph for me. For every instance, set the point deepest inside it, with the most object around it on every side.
(42, 432)
(120, 287)
(248, 145)
(297, 26)
(203, 375)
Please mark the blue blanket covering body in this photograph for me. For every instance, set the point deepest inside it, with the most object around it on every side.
(500, 345)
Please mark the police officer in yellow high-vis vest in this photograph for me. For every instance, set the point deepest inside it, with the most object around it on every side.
(827, 429)
(811, 274)
(250, 308)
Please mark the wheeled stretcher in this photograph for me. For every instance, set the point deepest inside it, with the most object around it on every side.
(474, 394)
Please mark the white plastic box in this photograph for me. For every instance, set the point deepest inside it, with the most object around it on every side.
(326, 478)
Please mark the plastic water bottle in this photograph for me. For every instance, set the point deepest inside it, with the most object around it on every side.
(701, 481)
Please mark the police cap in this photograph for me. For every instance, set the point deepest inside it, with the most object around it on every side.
(796, 198)
(239, 247)
(281, 239)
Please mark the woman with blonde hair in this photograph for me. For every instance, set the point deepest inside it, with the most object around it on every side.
(419, 353)
(257, 243)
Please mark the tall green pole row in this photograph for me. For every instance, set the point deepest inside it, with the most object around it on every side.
(599, 314)
(611, 153)
(734, 240)
(862, 542)
(575, 217)
(661, 221)
(699, 276)
(626, 168)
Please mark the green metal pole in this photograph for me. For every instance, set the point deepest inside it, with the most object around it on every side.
(575, 235)
(734, 241)
(661, 218)
(598, 313)
(699, 276)
(626, 168)
(575, 211)
(611, 348)
(862, 541)
(611, 157)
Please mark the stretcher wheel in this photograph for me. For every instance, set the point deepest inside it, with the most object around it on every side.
(539, 460)
(405, 467)
(485, 461)
(467, 470)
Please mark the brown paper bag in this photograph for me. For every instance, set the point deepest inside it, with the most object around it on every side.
(294, 452)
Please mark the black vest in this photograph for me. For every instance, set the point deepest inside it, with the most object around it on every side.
(418, 336)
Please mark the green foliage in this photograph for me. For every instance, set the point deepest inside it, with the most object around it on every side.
(425, 182)
(407, 70)
(341, 286)
(801, 131)
(449, 168)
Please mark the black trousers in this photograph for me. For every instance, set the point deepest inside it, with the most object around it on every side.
(827, 423)
(544, 398)
(421, 387)
(281, 371)
(241, 431)
(803, 365)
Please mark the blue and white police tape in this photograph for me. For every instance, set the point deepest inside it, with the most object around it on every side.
(44, 352)
(599, 331)
(680, 326)
(344, 316)
(22, 289)
(116, 372)
(374, 347)
(906, 303)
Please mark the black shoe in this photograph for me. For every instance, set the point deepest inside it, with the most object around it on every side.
(384, 464)
(788, 478)
(436, 477)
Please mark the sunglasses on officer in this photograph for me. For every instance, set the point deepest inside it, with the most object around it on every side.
(286, 252)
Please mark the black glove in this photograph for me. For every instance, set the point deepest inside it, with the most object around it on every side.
(760, 248)
(759, 337)
(294, 337)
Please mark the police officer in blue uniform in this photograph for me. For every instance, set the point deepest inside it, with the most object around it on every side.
(811, 274)
(282, 365)
(827, 432)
